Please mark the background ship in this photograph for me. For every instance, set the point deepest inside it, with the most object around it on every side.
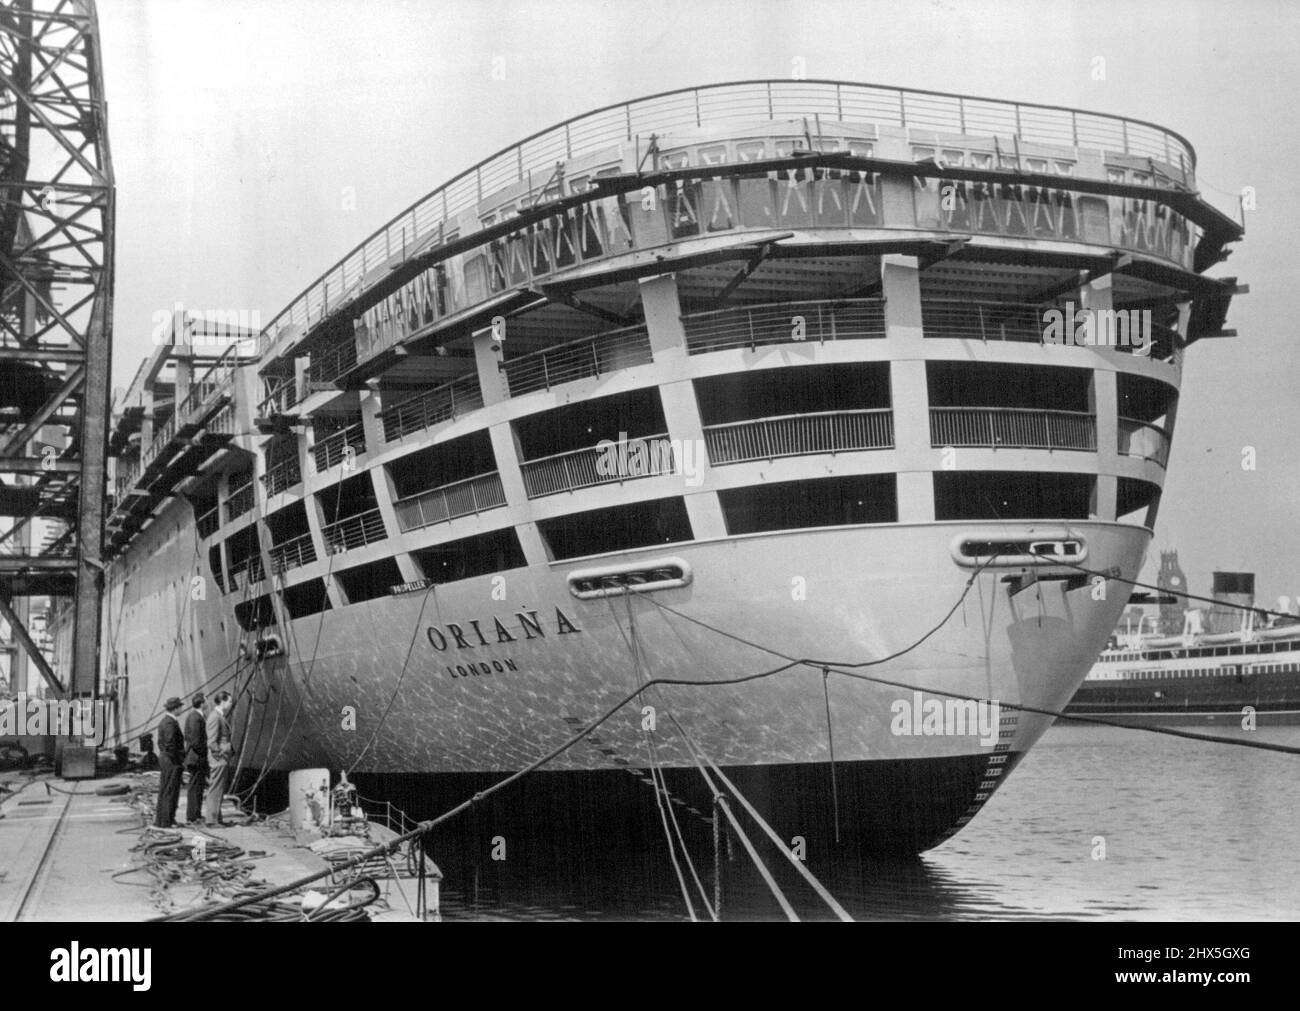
(387, 521)
(1225, 664)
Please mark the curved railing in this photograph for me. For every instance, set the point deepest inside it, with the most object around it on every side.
(1012, 428)
(282, 476)
(1025, 322)
(354, 531)
(450, 501)
(217, 380)
(283, 396)
(799, 435)
(251, 569)
(333, 449)
(222, 423)
(239, 500)
(985, 321)
(779, 322)
(164, 435)
(605, 463)
(535, 157)
(578, 359)
(293, 554)
(432, 407)
(330, 363)
(1143, 440)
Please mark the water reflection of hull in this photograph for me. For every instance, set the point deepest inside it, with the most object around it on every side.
(591, 846)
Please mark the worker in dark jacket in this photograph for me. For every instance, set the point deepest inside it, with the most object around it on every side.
(196, 760)
(171, 753)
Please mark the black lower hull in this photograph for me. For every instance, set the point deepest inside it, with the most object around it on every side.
(874, 808)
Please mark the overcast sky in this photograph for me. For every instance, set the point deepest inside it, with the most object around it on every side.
(237, 125)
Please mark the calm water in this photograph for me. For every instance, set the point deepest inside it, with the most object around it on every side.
(1191, 831)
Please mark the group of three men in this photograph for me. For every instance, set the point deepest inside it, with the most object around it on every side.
(202, 746)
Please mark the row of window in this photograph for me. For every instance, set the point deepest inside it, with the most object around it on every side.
(1236, 649)
(792, 505)
(496, 551)
(1168, 673)
(824, 502)
(858, 499)
(794, 411)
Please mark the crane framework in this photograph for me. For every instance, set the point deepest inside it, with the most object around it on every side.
(56, 293)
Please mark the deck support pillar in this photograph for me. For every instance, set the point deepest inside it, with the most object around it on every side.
(900, 279)
(1097, 294)
(663, 316)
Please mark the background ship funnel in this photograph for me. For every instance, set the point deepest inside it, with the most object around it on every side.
(1232, 592)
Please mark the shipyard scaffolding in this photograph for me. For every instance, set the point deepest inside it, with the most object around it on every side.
(56, 287)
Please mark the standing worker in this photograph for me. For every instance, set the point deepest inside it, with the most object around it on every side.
(171, 753)
(219, 752)
(196, 760)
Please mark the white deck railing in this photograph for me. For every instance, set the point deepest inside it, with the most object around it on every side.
(646, 456)
(580, 359)
(534, 158)
(441, 403)
(293, 554)
(1012, 428)
(449, 501)
(813, 322)
(800, 435)
(355, 531)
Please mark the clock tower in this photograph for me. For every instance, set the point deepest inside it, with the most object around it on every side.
(1172, 582)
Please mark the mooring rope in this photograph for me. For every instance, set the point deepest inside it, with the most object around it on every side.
(657, 777)
(807, 875)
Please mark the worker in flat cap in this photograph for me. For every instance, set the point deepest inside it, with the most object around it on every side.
(196, 759)
(171, 753)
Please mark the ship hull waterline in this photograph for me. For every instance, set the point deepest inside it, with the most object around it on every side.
(502, 669)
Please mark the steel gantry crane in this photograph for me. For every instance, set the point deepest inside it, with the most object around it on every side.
(56, 291)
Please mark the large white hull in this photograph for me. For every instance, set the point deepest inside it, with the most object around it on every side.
(503, 696)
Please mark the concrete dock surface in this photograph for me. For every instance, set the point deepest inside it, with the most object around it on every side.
(83, 851)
